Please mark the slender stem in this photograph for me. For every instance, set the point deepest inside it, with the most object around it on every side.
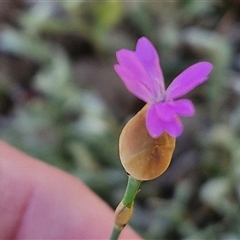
(131, 191)
(124, 210)
(115, 233)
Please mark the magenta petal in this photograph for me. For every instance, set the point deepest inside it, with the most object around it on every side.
(188, 80)
(173, 127)
(148, 56)
(183, 107)
(132, 84)
(153, 125)
(134, 75)
(165, 111)
(156, 126)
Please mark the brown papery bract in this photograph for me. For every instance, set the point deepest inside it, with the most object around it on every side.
(123, 214)
(142, 156)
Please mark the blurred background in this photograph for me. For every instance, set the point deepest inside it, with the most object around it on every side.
(62, 102)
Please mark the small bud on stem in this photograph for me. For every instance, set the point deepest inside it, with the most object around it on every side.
(123, 214)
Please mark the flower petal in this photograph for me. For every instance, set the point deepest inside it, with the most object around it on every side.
(183, 107)
(173, 127)
(165, 111)
(156, 126)
(148, 56)
(153, 125)
(131, 82)
(188, 80)
(134, 75)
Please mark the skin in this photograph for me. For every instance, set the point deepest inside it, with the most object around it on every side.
(38, 201)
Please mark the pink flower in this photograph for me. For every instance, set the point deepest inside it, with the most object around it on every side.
(142, 75)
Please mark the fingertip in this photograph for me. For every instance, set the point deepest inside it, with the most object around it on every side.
(40, 201)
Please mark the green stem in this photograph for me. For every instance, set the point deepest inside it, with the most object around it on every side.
(115, 233)
(131, 191)
(128, 200)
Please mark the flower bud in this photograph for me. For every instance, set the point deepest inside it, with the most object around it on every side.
(142, 156)
(123, 214)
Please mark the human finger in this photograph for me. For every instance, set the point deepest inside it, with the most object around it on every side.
(38, 201)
